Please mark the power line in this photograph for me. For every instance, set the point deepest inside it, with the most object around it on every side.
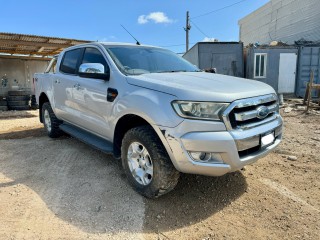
(199, 29)
(219, 9)
(216, 10)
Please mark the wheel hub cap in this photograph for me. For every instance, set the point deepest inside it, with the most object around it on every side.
(140, 163)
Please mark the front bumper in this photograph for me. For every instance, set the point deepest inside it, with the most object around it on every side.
(214, 138)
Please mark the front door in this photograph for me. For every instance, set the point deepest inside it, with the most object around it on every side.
(287, 73)
(90, 96)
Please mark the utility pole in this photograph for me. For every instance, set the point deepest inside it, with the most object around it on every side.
(187, 28)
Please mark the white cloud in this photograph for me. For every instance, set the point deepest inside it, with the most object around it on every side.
(206, 39)
(142, 19)
(156, 17)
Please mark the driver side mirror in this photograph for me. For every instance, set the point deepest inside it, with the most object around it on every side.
(93, 70)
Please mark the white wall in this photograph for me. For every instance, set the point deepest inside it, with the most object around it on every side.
(20, 70)
(285, 20)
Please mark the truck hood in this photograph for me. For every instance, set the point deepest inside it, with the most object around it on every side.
(201, 86)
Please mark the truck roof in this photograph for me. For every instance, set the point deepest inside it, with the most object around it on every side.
(117, 44)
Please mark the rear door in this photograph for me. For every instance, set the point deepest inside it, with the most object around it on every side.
(63, 84)
(90, 96)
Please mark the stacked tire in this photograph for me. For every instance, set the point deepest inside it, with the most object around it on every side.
(3, 104)
(34, 104)
(18, 100)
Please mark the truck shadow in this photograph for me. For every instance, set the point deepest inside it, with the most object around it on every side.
(194, 199)
(23, 133)
(86, 188)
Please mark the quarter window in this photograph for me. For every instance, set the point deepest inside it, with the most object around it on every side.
(70, 60)
(52, 66)
(93, 55)
(260, 65)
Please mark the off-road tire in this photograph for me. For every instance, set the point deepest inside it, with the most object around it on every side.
(19, 108)
(3, 103)
(18, 93)
(18, 103)
(3, 108)
(165, 176)
(55, 122)
(18, 98)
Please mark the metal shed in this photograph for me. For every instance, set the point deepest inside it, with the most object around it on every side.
(226, 57)
(274, 65)
(22, 55)
(309, 59)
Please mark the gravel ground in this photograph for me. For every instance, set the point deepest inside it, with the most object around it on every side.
(63, 189)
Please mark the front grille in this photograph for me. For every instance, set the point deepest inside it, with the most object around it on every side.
(247, 113)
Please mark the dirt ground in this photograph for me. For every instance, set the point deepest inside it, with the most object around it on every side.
(63, 189)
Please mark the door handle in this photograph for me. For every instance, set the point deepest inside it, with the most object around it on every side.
(77, 86)
(57, 81)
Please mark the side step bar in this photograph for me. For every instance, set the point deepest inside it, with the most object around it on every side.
(88, 138)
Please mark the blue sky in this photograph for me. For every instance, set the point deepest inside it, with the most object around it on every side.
(154, 22)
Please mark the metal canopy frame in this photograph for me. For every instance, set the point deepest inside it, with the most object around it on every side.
(12, 44)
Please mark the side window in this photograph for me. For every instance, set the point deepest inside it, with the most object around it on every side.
(93, 55)
(260, 65)
(70, 60)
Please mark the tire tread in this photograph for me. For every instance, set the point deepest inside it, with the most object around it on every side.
(55, 122)
(166, 176)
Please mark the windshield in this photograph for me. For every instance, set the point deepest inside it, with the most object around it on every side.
(135, 60)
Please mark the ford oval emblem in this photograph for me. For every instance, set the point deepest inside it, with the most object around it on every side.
(262, 112)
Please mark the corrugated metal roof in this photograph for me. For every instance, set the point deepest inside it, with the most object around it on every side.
(14, 43)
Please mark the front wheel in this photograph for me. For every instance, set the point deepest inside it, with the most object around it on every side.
(50, 121)
(146, 163)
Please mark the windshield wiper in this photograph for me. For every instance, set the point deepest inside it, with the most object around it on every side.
(171, 71)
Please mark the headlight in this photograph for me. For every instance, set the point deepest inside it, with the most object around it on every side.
(199, 110)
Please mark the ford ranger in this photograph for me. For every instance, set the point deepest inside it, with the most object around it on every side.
(157, 112)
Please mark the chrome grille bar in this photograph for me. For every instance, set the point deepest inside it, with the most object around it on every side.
(238, 117)
(244, 116)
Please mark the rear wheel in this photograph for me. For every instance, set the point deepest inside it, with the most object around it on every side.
(146, 163)
(50, 121)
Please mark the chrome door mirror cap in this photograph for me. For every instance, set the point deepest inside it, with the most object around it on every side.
(93, 70)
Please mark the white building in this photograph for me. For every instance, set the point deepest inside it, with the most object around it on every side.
(282, 20)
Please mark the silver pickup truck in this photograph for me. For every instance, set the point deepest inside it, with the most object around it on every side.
(157, 112)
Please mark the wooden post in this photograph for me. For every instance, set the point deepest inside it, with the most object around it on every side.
(309, 90)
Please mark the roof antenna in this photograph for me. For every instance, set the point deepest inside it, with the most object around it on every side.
(137, 42)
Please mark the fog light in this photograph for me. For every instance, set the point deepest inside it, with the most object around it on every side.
(206, 157)
(200, 156)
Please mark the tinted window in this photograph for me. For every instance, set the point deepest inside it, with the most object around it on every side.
(93, 55)
(70, 60)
